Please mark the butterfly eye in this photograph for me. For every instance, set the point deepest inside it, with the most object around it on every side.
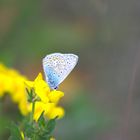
(56, 88)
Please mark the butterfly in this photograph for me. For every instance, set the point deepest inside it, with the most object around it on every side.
(57, 67)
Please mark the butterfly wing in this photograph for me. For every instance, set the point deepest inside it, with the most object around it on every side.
(57, 67)
(70, 62)
(51, 74)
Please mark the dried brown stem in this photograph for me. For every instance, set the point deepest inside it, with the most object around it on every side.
(128, 109)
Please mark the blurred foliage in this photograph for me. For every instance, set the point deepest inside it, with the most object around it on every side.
(31, 36)
(6, 116)
(83, 120)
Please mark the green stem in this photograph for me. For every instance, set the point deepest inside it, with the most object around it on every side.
(32, 116)
(32, 113)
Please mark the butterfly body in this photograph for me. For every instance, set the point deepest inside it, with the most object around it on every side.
(57, 67)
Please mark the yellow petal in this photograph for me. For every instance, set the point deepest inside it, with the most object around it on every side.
(56, 112)
(40, 107)
(55, 96)
(29, 84)
(39, 77)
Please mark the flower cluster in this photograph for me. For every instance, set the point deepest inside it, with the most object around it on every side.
(48, 99)
(14, 84)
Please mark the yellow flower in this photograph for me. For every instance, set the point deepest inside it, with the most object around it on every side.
(49, 99)
(41, 87)
(50, 110)
(40, 107)
(13, 83)
(2, 84)
(54, 96)
(52, 138)
(19, 92)
(56, 112)
(22, 135)
(24, 107)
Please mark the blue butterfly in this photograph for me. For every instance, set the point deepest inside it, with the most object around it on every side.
(57, 67)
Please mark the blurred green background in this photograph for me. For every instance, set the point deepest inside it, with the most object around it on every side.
(102, 94)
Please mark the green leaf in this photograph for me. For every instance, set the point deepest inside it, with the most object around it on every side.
(15, 132)
(41, 120)
(27, 91)
(30, 95)
(51, 125)
(29, 130)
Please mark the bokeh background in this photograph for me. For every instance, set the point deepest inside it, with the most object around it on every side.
(102, 94)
